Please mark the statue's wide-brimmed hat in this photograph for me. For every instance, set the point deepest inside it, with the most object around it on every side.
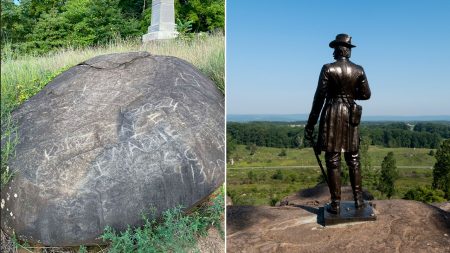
(342, 40)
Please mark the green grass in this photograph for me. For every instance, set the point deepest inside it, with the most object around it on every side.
(268, 157)
(264, 186)
(250, 180)
(176, 232)
(24, 76)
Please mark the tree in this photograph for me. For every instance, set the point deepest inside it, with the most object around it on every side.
(231, 146)
(252, 147)
(389, 174)
(206, 15)
(370, 175)
(441, 171)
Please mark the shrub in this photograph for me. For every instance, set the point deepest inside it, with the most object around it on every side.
(278, 175)
(425, 194)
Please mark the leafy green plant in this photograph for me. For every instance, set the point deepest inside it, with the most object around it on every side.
(82, 249)
(425, 194)
(9, 142)
(274, 200)
(184, 29)
(278, 175)
(177, 231)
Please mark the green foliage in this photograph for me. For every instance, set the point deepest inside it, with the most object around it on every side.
(184, 29)
(9, 142)
(431, 153)
(264, 164)
(265, 190)
(18, 244)
(82, 249)
(267, 134)
(177, 232)
(282, 152)
(389, 174)
(15, 22)
(399, 134)
(278, 175)
(252, 148)
(252, 176)
(274, 200)
(81, 23)
(290, 134)
(42, 26)
(370, 174)
(231, 146)
(425, 194)
(205, 15)
(345, 176)
(441, 171)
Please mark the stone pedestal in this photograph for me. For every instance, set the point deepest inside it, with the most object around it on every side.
(349, 214)
(163, 21)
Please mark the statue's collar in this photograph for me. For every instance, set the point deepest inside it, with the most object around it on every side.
(342, 59)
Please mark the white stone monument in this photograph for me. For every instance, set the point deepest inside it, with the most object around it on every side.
(163, 21)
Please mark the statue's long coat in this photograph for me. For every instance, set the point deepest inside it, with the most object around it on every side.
(340, 83)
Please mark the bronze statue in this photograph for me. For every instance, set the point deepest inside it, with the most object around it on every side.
(340, 84)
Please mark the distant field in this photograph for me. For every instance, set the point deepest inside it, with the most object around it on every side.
(256, 179)
(266, 156)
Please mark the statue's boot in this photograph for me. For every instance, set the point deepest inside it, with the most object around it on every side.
(353, 163)
(333, 161)
(334, 207)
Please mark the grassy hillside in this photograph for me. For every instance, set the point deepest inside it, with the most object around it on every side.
(265, 156)
(265, 177)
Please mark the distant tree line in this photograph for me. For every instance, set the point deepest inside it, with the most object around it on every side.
(36, 26)
(421, 135)
(266, 134)
(290, 135)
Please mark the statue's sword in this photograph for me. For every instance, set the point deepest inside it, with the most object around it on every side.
(319, 162)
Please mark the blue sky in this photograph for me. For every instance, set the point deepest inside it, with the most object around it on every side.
(275, 50)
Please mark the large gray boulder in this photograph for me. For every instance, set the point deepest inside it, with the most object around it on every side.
(108, 140)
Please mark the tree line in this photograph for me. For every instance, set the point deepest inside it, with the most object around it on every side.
(36, 26)
(290, 135)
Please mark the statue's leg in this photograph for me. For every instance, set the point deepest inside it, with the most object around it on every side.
(354, 165)
(333, 161)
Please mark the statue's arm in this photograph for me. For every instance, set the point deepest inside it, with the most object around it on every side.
(363, 89)
(319, 98)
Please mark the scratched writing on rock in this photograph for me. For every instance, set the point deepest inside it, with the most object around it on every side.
(70, 144)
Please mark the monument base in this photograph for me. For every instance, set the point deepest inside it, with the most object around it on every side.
(349, 214)
(159, 35)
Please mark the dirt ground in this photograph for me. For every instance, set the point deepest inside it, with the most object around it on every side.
(401, 226)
